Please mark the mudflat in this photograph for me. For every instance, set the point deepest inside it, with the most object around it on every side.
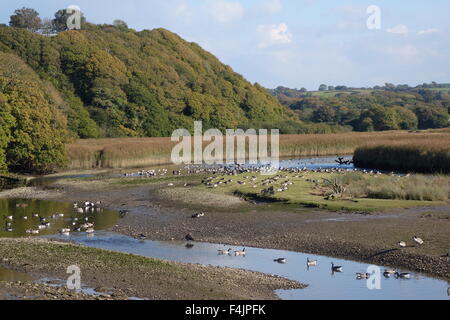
(123, 276)
(163, 212)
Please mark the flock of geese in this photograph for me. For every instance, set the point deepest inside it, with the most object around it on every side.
(77, 224)
(237, 169)
(417, 240)
(314, 263)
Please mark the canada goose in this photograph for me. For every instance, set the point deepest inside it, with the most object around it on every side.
(280, 260)
(224, 252)
(336, 268)
(402, 244)
(418, 240)
(25, 218)
(198, 215)
(87, 225)
(240, 252)
(9, 218)
(311, 263)
(35, 215)
(90, 230)
(189, 238)
(402, 275)
(360, 276)
(141, 237)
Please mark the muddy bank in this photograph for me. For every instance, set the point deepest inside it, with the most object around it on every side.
(128, 275)
(38, 291)
(156, 213)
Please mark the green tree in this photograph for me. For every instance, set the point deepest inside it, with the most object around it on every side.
(121, 25)
(60, 20)
(323, 87)
(324, 113)
(26, 18)
(407, 120)
(7, 121)
(380, 118)
(431, 118)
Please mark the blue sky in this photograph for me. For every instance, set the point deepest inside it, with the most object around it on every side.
(294, 43)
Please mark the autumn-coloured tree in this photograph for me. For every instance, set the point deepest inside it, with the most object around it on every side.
(26, 18)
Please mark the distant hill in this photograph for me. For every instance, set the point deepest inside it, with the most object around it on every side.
(114, 82)
(390, 107)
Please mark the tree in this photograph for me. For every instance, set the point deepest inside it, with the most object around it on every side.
(120, 24)
(26, 18)
(324, 114)
(380, 118)
(6, 123)
(407, 120)
(61, 17)
(323, 87)
(431, 118)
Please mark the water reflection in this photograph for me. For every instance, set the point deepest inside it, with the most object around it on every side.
(13, 276)
(323, 282)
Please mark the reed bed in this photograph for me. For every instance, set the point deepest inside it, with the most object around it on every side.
(414, 187)
(421, 156)
(141, 152)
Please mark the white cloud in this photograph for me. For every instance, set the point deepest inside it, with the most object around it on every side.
(270, 6)
(405, 53)
(399, 29)
(225, 11)
(273, 34)
(427, 31)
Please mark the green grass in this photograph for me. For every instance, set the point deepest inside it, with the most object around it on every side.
(310, 190)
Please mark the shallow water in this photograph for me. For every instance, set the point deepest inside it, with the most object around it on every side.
(13, 276)
(308, 163)
(322, 283)
(21, 209)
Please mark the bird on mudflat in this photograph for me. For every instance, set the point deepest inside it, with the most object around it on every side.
(418, 240)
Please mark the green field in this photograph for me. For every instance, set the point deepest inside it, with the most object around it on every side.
(363, 193)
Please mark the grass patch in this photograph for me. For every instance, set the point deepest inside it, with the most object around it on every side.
(359, 192)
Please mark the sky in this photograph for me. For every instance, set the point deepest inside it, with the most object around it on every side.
(294, 43)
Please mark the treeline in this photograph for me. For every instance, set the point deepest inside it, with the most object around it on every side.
(288, 92)
(374, 110)
(112, 81)
(32, 127)
(116, 82)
